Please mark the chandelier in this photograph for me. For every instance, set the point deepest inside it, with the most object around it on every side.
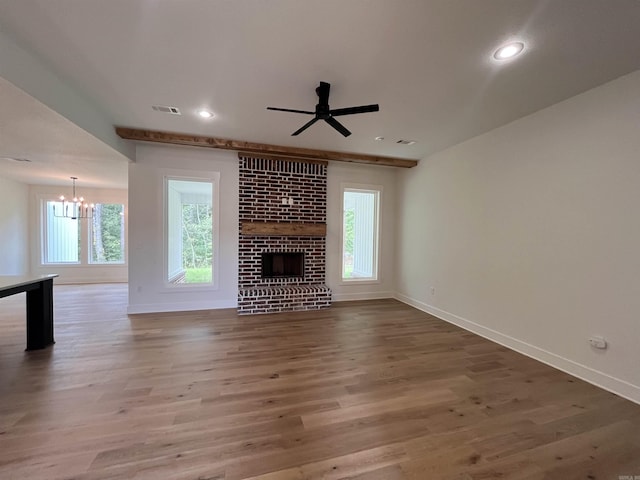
(76, 207)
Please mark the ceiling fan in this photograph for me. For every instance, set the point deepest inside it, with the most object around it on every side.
(323, 112)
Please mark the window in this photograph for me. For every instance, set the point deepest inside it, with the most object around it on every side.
(64, 239)
(106, 234)
(189, 230)
(360, 233)
(61, 236)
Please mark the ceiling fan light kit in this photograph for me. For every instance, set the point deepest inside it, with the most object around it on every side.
(324, 112)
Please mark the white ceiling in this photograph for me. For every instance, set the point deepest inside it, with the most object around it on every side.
(57, 148)
(428, 63)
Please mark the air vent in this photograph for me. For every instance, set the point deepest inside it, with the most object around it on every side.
(167, 109)
(15, 159)
(406, 142)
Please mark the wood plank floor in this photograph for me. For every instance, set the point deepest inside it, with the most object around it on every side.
(365, 390)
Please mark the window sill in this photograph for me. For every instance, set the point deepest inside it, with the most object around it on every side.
(364, 281)
(82, 265)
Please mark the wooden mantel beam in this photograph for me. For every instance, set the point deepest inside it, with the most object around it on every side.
(259, 148)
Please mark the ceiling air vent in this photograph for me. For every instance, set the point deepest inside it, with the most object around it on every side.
(167, 109)
(16, 159)
(406, 142)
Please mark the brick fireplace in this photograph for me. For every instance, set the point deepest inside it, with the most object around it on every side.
(283, 206)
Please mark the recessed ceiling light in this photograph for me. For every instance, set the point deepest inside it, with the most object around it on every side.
(205, 113)
(406, 142)
(509, 51)
(379, 139)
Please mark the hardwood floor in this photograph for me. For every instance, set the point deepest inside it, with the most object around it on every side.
(366, 390)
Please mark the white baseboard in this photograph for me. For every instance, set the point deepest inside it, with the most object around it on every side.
(347, 297)
(600, 379)
(180, 306)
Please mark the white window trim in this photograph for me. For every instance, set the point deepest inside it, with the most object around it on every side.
(85, 251)
(214, 178)
(377, 228)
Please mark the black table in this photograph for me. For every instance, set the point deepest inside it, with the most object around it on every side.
(39, 306)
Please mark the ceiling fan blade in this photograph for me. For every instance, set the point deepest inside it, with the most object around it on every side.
(338, 126)
(323, 93)
(351, 110)
(305, 126)
(290, 110)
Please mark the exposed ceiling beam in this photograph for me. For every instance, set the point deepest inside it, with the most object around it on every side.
(259, 148)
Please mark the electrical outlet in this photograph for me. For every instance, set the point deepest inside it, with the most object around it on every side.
(598, 342)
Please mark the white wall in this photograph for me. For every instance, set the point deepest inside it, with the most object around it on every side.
(147, 289)
(82, 273)
(352, 173)
(530, 234)
(14, 227)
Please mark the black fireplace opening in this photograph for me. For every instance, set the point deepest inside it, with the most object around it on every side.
(282, 264)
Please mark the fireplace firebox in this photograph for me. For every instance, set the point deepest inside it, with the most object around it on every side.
(283, 265)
